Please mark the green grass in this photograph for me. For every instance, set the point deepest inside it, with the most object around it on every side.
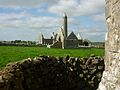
(12, 53)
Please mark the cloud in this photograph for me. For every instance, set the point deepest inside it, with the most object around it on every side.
(24, 3)
(38, 16)
(63, 6)
(12, 16)
(43, 22)
(24, 20)
(29, 21)
(12, 20)
(92, 33)
(78, 7)
(99, 17)
(25, 26)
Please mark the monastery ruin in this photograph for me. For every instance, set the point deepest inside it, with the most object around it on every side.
(62, 39)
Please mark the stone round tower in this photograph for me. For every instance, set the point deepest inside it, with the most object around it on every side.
(65, 25)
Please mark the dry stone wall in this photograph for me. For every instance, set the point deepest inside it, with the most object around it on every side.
(50, 73)
(111, 75)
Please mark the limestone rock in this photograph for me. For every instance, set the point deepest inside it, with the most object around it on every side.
(111, 76)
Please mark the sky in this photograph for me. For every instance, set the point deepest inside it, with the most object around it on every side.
(25, 19)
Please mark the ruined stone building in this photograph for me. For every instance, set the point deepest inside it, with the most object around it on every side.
(62, 39)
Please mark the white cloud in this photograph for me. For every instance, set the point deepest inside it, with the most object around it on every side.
(24, 20)
(64, 6)
(28, 21)
(24, 3)
(73, 7)
(73, 21)
(99, 17)
(12, 20)
(12, 16)
(93, 34)
(87, 7)
(42, 22)
(26, 26)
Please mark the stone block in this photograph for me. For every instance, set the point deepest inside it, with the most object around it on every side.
(112, 46)
(92, 71)
(95, 61)
(100, 67)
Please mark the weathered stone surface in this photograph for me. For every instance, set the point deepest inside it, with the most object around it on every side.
(50, 73)
(111, 75)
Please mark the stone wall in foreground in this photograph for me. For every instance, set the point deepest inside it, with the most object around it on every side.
(111, 75)
(50, 73)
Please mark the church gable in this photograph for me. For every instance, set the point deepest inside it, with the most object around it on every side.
(60, 36)
(72, 36)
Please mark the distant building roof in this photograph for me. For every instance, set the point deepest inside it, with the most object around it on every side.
(72, 36)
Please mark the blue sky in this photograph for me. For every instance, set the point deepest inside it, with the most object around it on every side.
(25, 19)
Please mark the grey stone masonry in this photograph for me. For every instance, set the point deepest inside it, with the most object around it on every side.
(51, 73)
(111, 75)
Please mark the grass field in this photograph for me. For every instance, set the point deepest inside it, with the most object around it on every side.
(12, 53)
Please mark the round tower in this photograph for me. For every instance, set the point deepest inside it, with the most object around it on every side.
(65, 25)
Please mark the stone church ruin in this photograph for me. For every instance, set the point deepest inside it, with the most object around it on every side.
(62, 39)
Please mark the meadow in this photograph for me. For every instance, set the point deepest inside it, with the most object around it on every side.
(12, 53)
